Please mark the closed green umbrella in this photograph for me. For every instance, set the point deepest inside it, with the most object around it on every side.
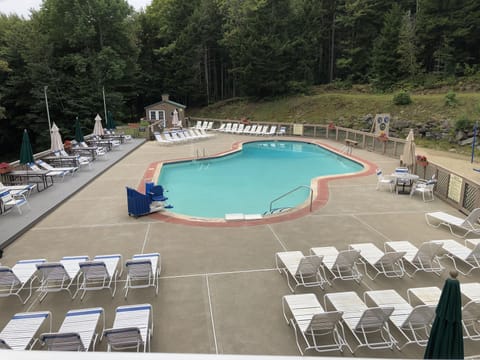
(110, 121)
(26, 152)
(446, 336)
(78, 132)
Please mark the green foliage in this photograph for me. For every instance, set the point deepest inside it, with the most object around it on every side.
(402, 98)
(451, 99)
(464, 124)
(385, 62)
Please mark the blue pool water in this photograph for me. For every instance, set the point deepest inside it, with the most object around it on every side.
(247, 181)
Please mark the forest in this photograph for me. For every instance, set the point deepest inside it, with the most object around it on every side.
(204, 51)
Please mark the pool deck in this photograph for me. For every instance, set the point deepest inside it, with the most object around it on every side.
(219, 290)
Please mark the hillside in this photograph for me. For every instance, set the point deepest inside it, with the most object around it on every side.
(344, 108)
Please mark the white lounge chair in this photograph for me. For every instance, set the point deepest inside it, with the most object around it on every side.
(246, 129)
(240, 129)
(304, 270)
(272, 131)
(14, 280)
(18, 190)
(320, 330)
(55, 174)
(81, 160)
(467, 225)
(389, 264)
(457, 252)
(363, 321)
(234, 128)
(252, 131)
(340, 264)
(143, 270)
(78, 331)
(470, 311)
(47, 166)
(9, 202)
(100, 273)
(58, 276)
(132, 328)
(413, 322)
(425, 295)
(282, 131)
(161, 140)
(384, 181)
(222, 126)
(20, 332)
(424, 258)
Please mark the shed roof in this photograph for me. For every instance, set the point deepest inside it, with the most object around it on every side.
(168, 102)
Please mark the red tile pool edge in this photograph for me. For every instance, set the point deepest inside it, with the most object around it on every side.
(319, 200)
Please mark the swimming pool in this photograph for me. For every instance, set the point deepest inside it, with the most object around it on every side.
(248, 180)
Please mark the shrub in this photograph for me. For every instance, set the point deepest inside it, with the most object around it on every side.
(463, 124)
(402, 98)
(451, 99)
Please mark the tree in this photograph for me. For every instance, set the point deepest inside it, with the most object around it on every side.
(385, 60)
(407, 48)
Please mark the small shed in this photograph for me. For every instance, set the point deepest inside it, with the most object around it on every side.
(162, 112)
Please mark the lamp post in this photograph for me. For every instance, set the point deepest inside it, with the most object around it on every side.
(48, 112)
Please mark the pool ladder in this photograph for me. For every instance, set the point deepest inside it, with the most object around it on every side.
(290, 192)
(197, 154)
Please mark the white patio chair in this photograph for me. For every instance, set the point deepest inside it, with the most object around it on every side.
(100, 273)
(246, 129)
(457, 252)
(424, 258)
(340, 264)
(321, 331)
(143, 270)
(384, 181)
(47, 166)
(59, 276)
(9, 202)
(264, 131)
(426, 189)
(413, 322)
(78, 331)
(389, 264)
(364, 322)
(467, 225)
(132, 328)
(20, 332)
(14, 280)
(209, 126)
(304, 270)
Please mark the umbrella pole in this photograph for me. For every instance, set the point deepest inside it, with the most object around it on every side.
(104, 106)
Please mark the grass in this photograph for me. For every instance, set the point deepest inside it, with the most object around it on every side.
(324, 107)
(349, 108)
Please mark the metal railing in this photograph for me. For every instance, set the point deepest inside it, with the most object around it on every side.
(292, 191)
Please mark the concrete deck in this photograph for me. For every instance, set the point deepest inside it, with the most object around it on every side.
(219, 290)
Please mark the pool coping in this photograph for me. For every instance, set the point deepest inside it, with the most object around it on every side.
(319, 186)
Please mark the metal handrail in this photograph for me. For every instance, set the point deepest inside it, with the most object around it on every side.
(292, 191)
